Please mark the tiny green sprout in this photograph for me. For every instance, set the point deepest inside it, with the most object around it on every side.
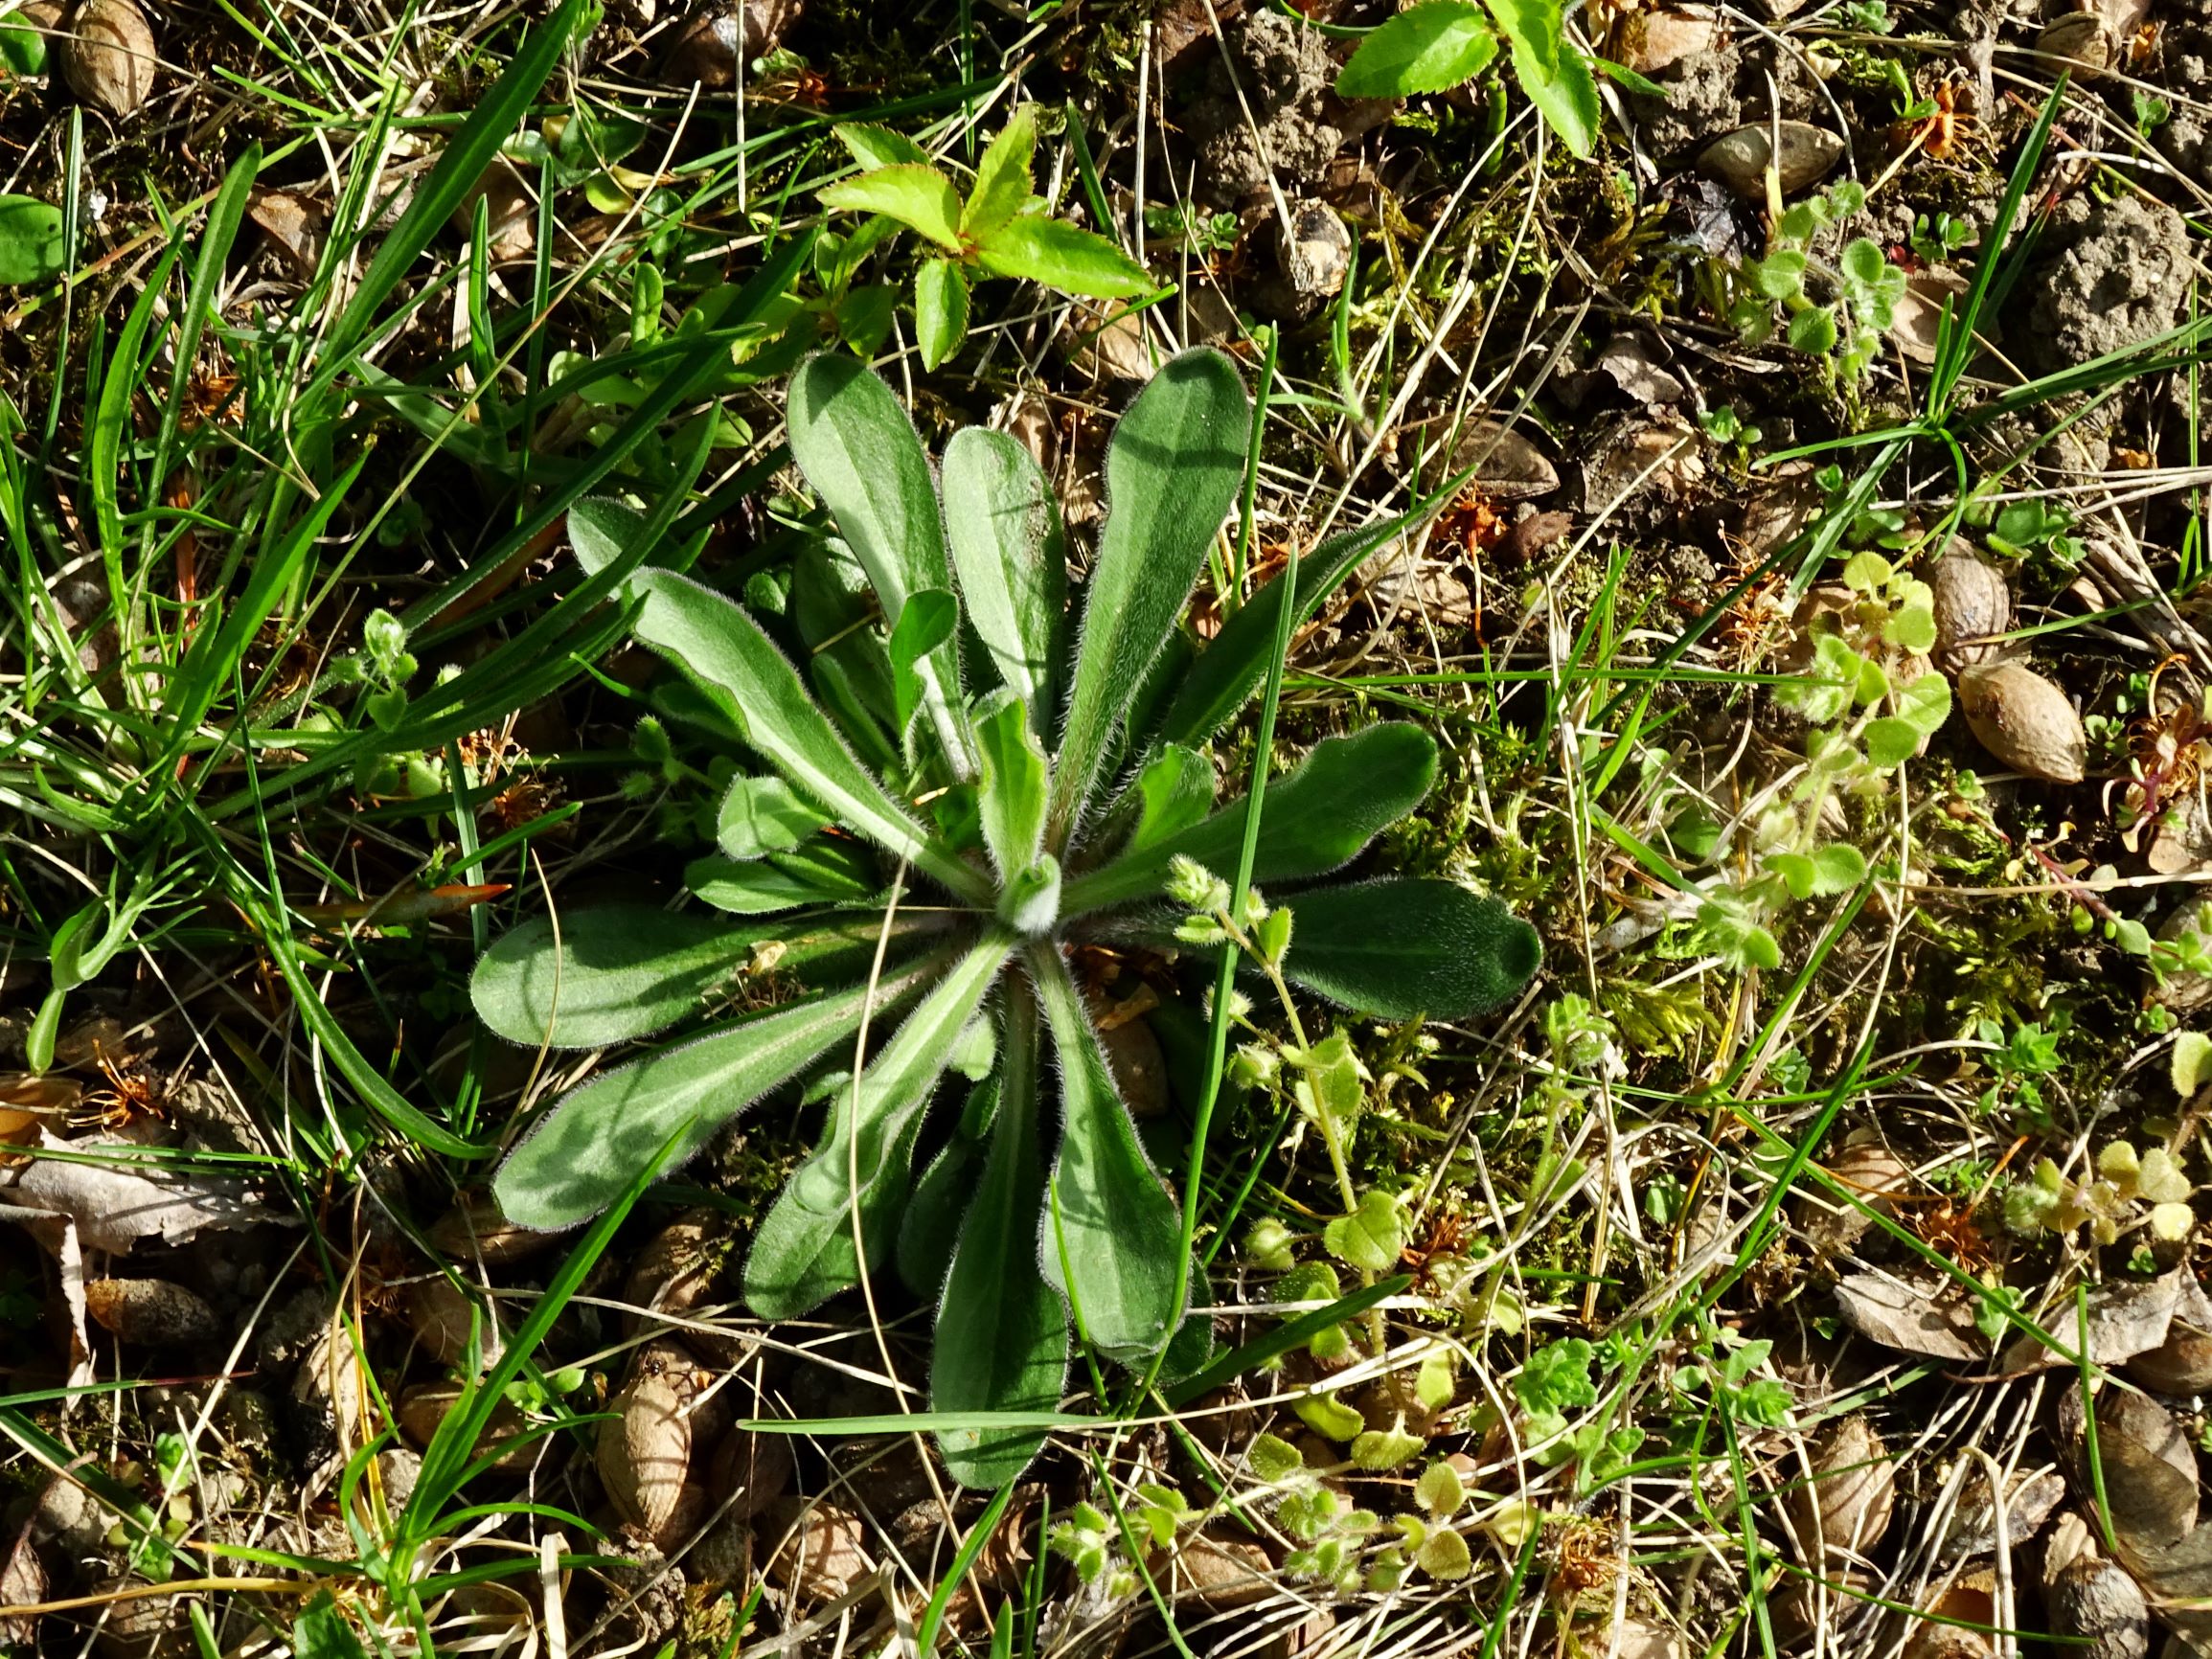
(1194, 886)
(1440, 1491)
(1085, 1538)
(1268, 1245)
(1161, 1513)
(1386, 1449)
(1273, 1460)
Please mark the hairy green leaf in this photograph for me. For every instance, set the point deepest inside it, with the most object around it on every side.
(619, 971)
(1433, 46)
(1001, 1330)
(1014, 784)
(1371, 1237)
(1230, 669)
(940, 310)
(1002, 176)
(804, 1252)
(926, 621)
(931, 1225)
(589, 1148)
(721, 648)
(1554, 74)
(763, 816)
(1172, 473)
(915, 194)
(622, 971)
(22, 49)
(1003, 524)
(754, 888)
(1112, 1233)
(1060, 256)
(859, 452)
(1175, 792)
(1315, 820)
(1403, 946)
(31, 248)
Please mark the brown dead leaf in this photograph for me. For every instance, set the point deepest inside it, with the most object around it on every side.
(1844, 1510)
(2178, 1584)
(1507, 465)
(1919, 311)
(824, 1556)
(114, 1208)
(22, 1584)
(2148, 1466)
(1222, 1572)
(2181, 1363)
(1632, 363)
(2030, 1500)
(2123, 1320)
(1919, 1314)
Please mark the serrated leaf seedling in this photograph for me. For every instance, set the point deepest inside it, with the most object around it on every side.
(995, 795)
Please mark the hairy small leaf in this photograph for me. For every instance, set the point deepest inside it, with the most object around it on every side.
(859, 452)
(718, 645)
(1008, 550)
(591, 1145)
(931, 1225)
(619, 971)
(1015, 782)
(804, 1254)
(1175, 792)
(1001, 1330)
(1403, 946)
(763, 816)
(1315, 820)
(1230, 669)
(31, 248)
(1112, 1233)
(927, 621)
(1172, 472)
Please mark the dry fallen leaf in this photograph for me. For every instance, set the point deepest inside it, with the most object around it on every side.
(1873, 1174)
(1923, 1314)
(1844, 1509)
(22, 1584)
(114, 1208)
(824, 1554)
(2123, 1320)
(1507, 467)
(2148, 1468)
(1631, 362)
(1972, 1529)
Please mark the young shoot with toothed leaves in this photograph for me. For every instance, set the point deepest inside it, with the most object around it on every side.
(1439, 44)
(1000, 228)
(943, 788)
